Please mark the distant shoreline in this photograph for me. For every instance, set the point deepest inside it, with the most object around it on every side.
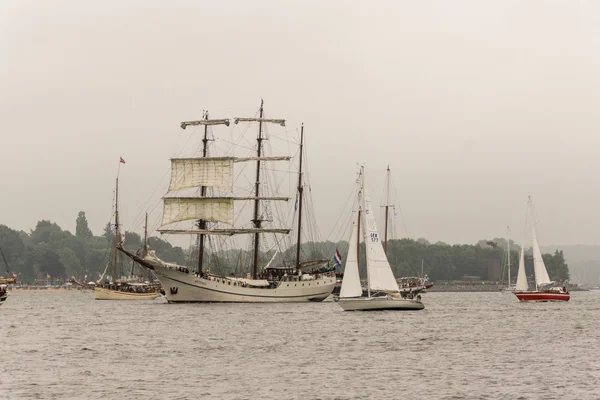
(453, 287)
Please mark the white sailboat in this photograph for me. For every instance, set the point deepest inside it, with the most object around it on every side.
(382, 289)
(544, 287)
(214, 217)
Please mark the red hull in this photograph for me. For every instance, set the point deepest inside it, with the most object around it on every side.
(542, 296)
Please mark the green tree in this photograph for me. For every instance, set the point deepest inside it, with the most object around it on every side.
(133, 240)
(12, 246)
(71, 262)
(81, 227)
(44, 231)
(558, 270)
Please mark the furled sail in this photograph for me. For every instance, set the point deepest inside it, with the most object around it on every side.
(204, 208)
(380, 273)
(351, 282)
(195, 172)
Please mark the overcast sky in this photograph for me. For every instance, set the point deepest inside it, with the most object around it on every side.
(474, 104)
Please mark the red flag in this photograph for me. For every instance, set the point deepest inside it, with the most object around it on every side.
(121, 160)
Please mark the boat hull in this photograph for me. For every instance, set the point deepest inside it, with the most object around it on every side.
(3, 298)
(379, 304)
(542, 296)
(183, 287)
(108, 294)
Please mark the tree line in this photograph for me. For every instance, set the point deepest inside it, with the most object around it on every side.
(49, 251)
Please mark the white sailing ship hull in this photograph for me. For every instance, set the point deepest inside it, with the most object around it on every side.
(379, 304)
(108, 294)
(182, 287)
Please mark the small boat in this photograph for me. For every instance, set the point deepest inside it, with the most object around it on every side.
(4, 282)
(544, 287)
(123, 289)
(382, 289)
(3, 293)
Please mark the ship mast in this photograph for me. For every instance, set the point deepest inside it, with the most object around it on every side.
(256, 221)
(116, 231)
(300, 190)
(387, 207)
(201, 222)
(360, 207)
(145, 248)
(205, 214)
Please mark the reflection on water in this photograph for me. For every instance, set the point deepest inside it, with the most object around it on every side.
(463, 345)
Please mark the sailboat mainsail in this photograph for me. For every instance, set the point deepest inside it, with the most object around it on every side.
(379, 271)
(539, 268)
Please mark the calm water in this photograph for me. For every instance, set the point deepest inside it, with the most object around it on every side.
(464, 345)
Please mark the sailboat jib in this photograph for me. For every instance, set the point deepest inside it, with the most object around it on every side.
(380, 273)
(521, 276)
(351, 282)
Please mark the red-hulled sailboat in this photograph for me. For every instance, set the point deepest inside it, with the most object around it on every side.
(544, 289)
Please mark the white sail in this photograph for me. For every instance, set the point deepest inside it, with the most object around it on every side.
(195, 172)
(205, 208)
(379, 271)
(521, 276)
(351, 282)
(539, 268)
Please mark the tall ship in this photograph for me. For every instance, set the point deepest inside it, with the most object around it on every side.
(208, 192)
(545, 289)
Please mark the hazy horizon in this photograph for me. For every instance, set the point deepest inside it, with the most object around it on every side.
(473, 105)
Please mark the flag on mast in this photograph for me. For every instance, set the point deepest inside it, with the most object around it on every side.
(337, 258)
(121, 160)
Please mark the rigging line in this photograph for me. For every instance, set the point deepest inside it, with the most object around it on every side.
(352, 195)
(242, 135)
(192, 133)
(400, 210)
(235, 144)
